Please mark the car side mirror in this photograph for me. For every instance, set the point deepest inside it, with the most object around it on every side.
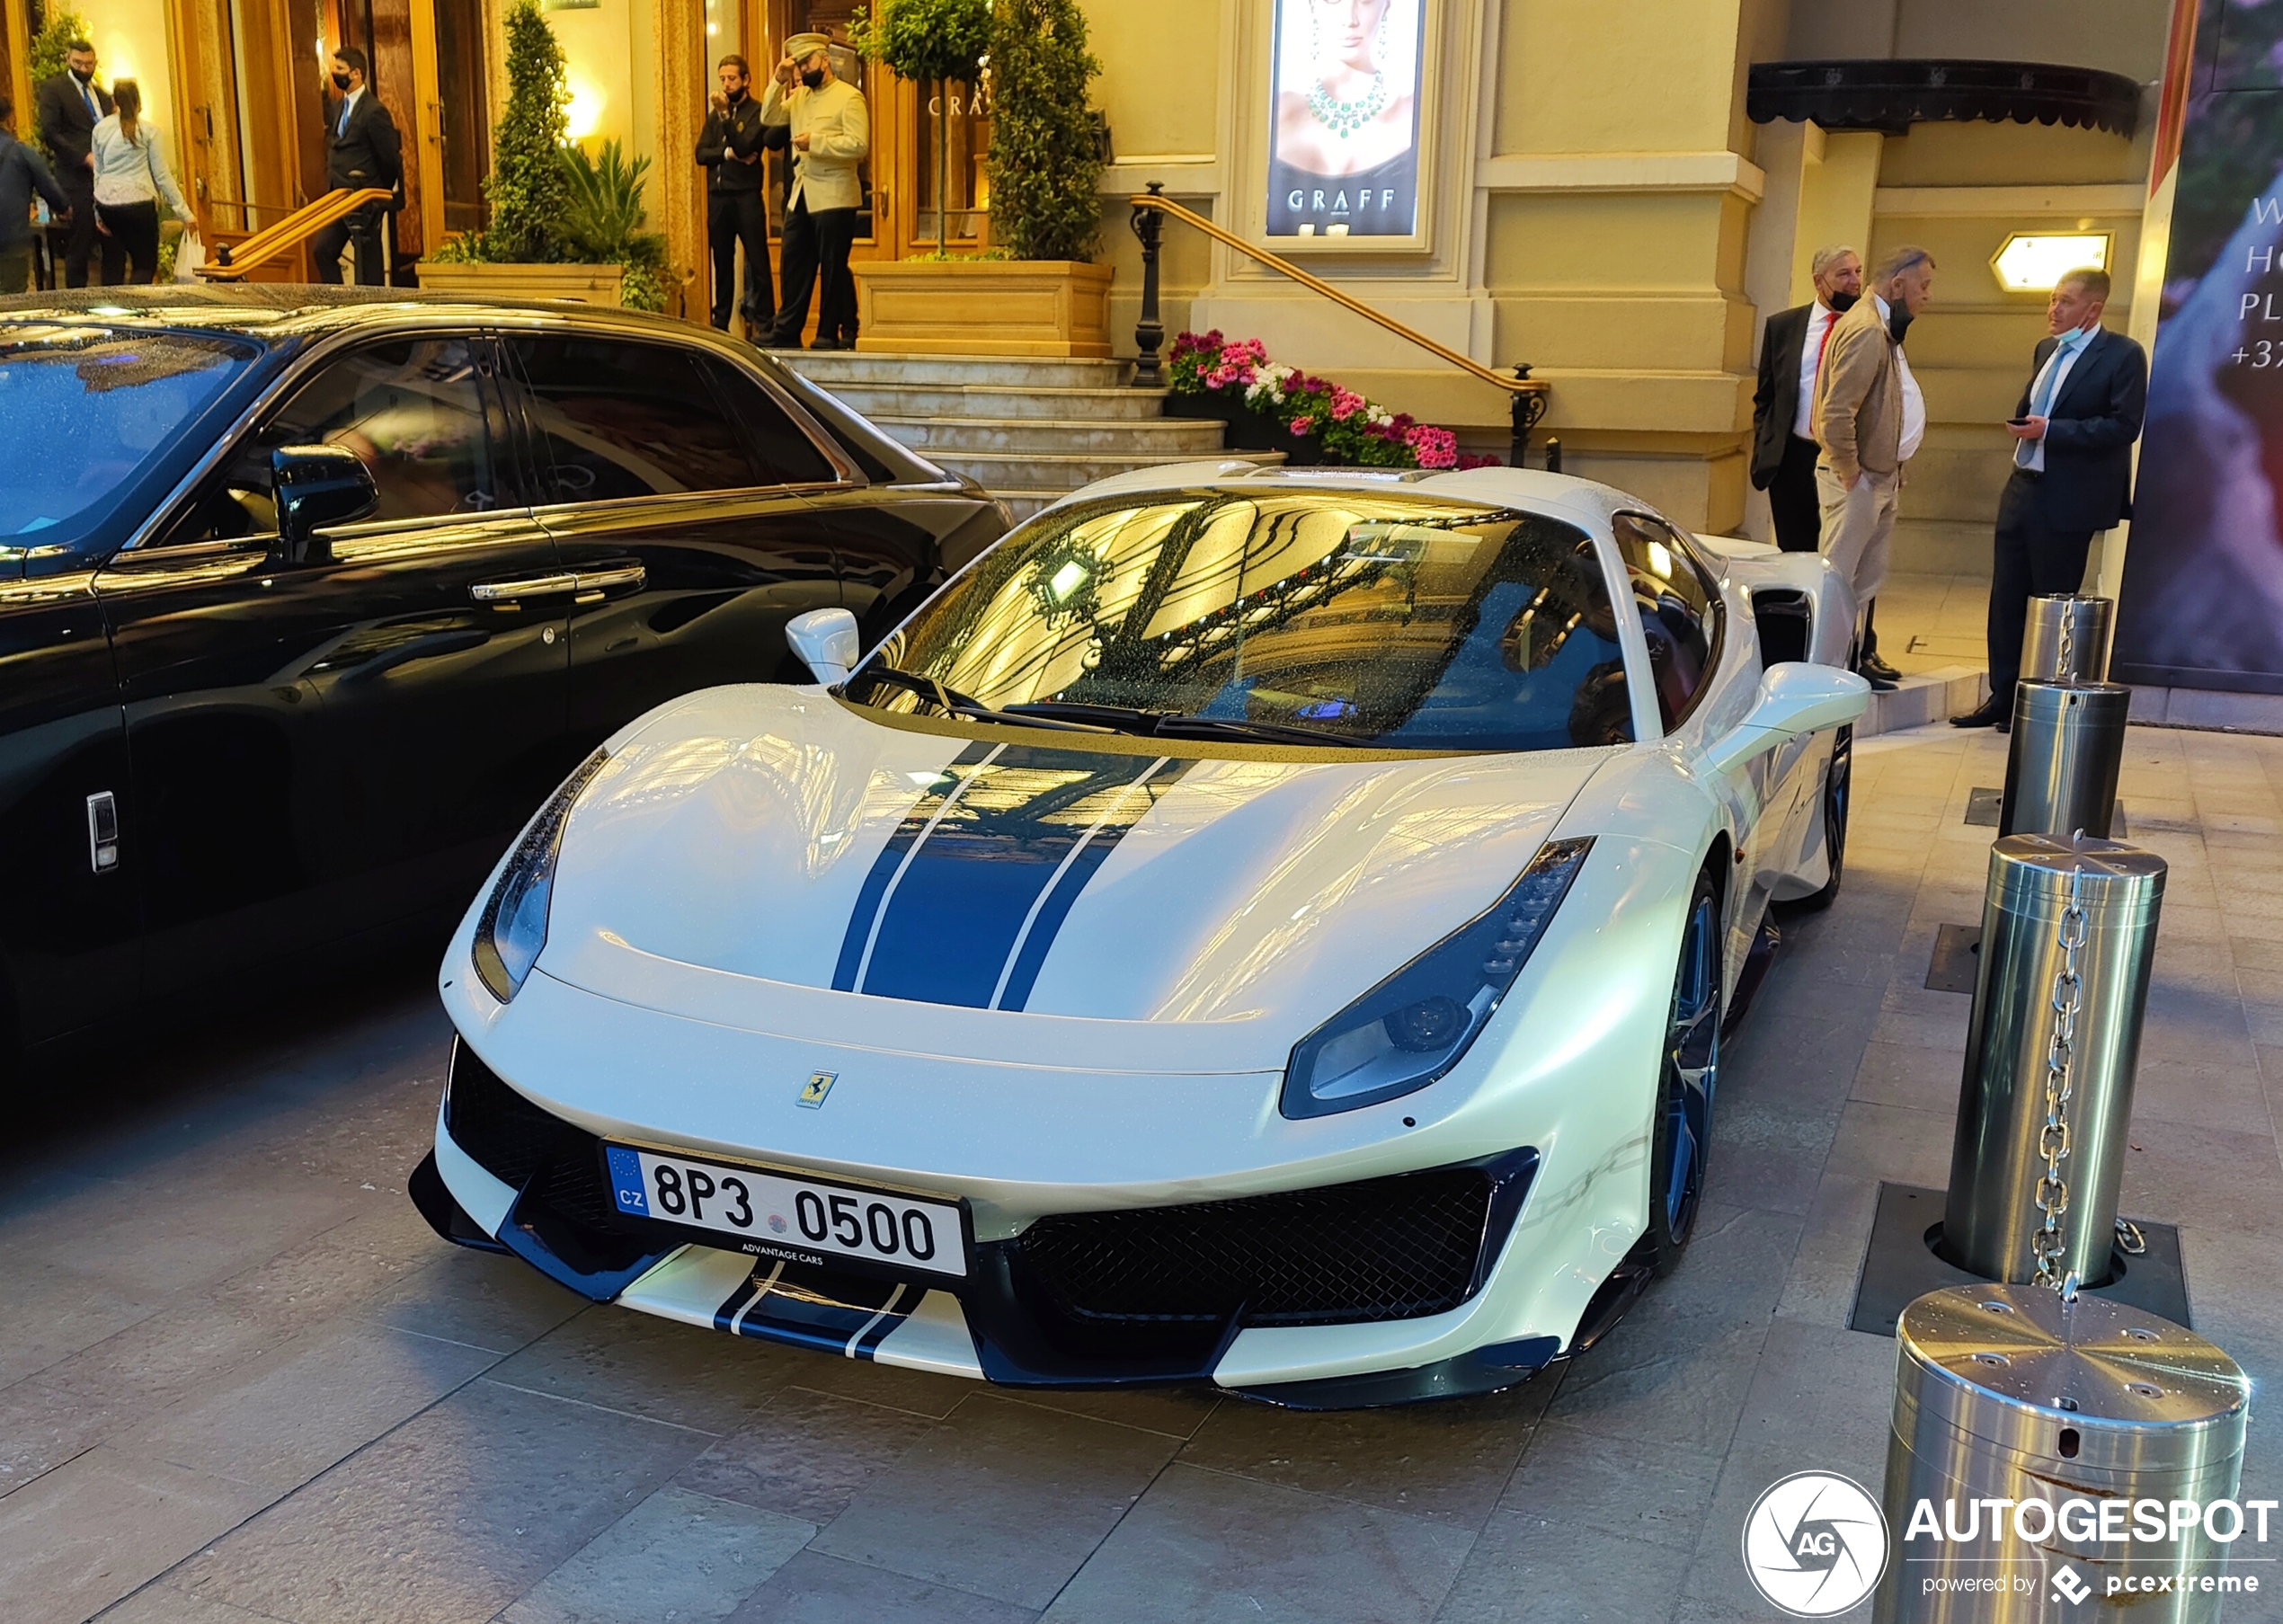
(826, 641)
(1795, 698)
(316, 486)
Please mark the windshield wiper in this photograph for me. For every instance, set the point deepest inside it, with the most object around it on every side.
(1177, 724)
(1234, 727)
(953, 703)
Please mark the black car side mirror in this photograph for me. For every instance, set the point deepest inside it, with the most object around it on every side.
(316, 486)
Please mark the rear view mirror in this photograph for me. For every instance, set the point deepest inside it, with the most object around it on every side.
(826, 641)
(316, 486)
(1795, 698)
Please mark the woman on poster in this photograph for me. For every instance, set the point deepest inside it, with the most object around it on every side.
(1344, 153)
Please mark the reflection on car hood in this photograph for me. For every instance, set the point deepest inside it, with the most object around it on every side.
(756, 841)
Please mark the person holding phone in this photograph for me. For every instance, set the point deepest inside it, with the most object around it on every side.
(2073, 435)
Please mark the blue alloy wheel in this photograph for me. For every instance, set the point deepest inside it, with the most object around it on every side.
(1689, 1071)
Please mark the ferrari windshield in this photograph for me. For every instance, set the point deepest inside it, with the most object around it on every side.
(1361, 617)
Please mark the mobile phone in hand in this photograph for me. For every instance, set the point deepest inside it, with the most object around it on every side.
(2016, 423)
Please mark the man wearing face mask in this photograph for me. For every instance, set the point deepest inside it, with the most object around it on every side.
(362, 148)
(67, 108)
(730, 146)
(830, 131)
(1859, 417)
(1783, 441)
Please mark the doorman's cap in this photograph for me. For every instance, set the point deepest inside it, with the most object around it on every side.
(802, 47)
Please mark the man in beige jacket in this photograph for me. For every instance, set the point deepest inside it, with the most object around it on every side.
(832, 133)
(1858, 422)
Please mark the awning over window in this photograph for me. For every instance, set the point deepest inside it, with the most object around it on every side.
(1891, 95)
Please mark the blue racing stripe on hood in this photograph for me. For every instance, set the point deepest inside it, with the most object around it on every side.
(890, 861)
(967, 907)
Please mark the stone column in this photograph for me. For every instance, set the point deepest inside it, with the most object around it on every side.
(678, 31)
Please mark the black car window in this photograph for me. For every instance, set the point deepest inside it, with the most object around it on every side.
(614, 420)
(787, 455)
(415, 410)
(1679, 608)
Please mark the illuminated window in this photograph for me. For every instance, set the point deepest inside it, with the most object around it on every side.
(2035, 262)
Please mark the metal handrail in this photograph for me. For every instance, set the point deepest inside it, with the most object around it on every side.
(1526, 395)
(230, 264)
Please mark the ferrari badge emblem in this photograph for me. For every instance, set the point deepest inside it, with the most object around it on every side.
(814, 1091)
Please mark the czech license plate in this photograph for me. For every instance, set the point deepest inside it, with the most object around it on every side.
(778, 1216)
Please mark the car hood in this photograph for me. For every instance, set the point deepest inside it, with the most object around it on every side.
(776, 859)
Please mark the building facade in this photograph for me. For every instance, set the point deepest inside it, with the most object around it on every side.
(1588, 193)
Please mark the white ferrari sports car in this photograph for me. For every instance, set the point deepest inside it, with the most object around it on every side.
(1260, 927)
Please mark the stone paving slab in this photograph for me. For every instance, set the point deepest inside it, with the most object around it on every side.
(284, 1402)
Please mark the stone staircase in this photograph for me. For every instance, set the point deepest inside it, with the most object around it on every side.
(1029, 432)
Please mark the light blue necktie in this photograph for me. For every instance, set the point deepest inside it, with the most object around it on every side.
(87, 94)
(342, 129)
(2049, 381)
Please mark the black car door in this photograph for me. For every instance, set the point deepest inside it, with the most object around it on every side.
(325, 748)
(673, 493)
(68, 915)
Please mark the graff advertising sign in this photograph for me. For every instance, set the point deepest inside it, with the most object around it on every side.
(2202, 599)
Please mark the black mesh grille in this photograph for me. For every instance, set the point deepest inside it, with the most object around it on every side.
(509, 1136)
(1387, 1248)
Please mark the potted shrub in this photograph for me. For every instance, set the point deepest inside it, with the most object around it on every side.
(1037, 293)
(562, 226)
(921, 39)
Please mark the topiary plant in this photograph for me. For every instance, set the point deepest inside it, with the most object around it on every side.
(1044, 165)
(940, 39)
(603, 224)
(528, 187)
(53, 43)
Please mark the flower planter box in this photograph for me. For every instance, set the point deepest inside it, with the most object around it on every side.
(573, 284)
(1251, 430)
(1046, 307)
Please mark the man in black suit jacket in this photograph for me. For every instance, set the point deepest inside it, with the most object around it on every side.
(362, 149)
(2073, 434)
(67, 108)
(1783, 441)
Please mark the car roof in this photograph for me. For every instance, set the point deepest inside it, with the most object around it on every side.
(1585, 502)
(300, 310)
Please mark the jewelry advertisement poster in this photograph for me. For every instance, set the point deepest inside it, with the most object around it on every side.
(1344, 136)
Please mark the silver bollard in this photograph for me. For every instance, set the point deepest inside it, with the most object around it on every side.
(2063, 759)
(2019, 1407)
(2065, 639)
(2068, 935)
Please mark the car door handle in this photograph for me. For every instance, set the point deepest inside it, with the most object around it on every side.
(604, 578)
(524, 586)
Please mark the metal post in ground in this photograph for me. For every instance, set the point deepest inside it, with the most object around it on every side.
(2020, 1418)
(2065, 639)
(2068, 936)
(2063, 758)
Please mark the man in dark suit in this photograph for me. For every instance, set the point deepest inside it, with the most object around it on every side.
(68, 107)
(1783, 441)
(362, 148)
(2072, 436)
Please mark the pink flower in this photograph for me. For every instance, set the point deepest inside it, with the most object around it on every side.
(1345, 403)
(1302, 427)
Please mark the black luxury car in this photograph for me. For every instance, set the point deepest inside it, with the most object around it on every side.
(309, 596)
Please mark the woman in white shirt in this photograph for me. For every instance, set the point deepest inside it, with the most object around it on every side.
(130, 177)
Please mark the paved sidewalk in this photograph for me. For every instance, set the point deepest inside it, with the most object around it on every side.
(239, 1380)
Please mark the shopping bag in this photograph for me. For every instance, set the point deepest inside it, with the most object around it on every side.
(190, 253)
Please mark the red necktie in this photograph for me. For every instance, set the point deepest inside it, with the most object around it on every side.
(1828, 328)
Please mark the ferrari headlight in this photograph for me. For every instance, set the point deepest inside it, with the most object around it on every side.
(1414, 1026)
(514, 924)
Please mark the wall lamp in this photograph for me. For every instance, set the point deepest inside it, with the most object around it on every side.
(2035, 261)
